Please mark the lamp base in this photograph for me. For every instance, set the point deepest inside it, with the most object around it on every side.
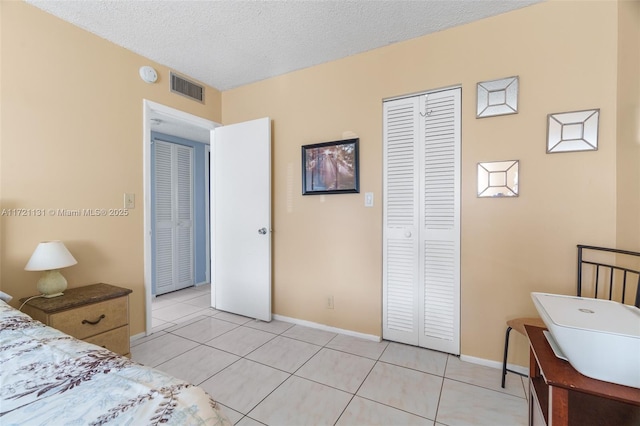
(52, 283)
(49, 296)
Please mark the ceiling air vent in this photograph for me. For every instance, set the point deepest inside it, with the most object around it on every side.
(186, 88)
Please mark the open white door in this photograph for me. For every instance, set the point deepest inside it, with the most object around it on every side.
(241, 218)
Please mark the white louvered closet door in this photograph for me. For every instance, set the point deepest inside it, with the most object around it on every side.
(421, 266)
(174, 217)
(400, 266)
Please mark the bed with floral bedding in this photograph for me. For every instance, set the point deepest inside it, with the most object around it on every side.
(50, 378)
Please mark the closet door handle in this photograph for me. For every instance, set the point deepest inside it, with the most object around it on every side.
(103, 316)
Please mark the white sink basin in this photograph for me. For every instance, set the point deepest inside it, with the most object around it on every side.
(599, 338)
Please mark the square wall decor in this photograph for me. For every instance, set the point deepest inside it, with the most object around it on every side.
(573, 131)
(498, 179)
(497, 97)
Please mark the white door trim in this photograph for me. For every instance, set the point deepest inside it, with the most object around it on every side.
(149, 107)
(207, 206)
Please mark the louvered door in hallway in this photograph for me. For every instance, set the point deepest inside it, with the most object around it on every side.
(421, 231)
(173, 215)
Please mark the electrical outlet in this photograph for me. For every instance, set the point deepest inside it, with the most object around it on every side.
(330, 302)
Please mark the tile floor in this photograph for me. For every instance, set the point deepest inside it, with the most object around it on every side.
(280, 374)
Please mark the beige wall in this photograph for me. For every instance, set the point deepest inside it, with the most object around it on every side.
(332, 245)
(71, 138)
(628, 173)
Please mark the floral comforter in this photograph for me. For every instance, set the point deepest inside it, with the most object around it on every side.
(50, 378)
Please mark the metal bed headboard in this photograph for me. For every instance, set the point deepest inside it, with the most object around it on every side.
(615, 272)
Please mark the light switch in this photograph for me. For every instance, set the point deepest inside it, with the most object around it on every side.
(368, 199)
(129, 201)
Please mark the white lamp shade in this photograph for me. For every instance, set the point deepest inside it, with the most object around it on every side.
(50, 255)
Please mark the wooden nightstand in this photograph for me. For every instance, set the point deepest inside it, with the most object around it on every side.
(97, 313)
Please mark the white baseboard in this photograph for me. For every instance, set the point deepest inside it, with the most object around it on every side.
(306, 324)
(327, 328)
(466, 358)
(137, 336)
(493, 364)
(374, 338)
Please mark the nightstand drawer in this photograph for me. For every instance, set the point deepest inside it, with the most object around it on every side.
(92, 319)
(115, 340)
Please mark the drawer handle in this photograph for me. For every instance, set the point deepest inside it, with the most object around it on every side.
(103, 316)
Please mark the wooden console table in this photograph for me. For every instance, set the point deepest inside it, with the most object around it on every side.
(559, 395)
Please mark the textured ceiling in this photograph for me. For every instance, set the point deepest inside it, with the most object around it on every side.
(226, 44)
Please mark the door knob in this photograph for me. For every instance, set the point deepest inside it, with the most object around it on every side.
(407, 234)
(262, 231)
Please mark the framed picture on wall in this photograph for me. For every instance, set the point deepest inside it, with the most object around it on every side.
(331, 167)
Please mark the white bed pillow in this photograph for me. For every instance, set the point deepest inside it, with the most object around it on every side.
(5, 297)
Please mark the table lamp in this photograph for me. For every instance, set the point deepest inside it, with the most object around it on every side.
(50, 256)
